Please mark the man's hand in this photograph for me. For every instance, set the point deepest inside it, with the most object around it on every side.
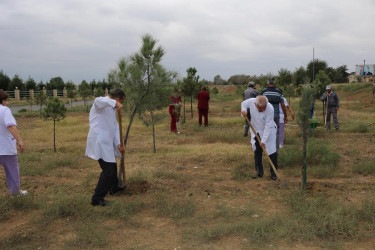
(121, 148)
(263, 145)
(119, 106)
(337, 109)
(286, 119)
(20, 146)
(293, 116)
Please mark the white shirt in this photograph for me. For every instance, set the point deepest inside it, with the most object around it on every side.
(263, 124)
(104, 133)
(8, 144)
(281, 110)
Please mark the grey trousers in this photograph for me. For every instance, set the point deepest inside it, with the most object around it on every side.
(333, 111)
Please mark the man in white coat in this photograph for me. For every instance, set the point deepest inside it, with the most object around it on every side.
(103, 143)
(262, 119)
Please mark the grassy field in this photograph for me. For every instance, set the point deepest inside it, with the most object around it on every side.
(195, 192)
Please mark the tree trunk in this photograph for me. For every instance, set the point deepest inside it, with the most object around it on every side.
(54, 135)
(153, 130)
(304, 175)
(191, 106)
(183, 121)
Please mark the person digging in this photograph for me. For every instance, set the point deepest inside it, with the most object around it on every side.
(262, 120)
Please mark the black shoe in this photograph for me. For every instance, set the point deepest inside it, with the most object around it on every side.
(273, 177)
(245, 135)
(115, 190)
(102, 203)
(254, 177)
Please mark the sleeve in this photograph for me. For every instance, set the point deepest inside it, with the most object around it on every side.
(285, 102)
(9, 119)
(245, 105)
(323, 98)
(337, 100)
(269, 124)
(103, 102)
(117, 141)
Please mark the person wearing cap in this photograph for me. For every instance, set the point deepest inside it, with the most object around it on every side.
(203, 98)
(275, 97)
(250, 92)
(9, 138)
(332, 104)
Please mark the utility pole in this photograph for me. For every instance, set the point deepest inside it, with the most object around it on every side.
(313, 71)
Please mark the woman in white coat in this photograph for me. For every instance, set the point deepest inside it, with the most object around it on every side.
(262, 119)
(103, 143)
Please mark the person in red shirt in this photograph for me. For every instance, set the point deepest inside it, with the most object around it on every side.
(203, 97)
(174, 110)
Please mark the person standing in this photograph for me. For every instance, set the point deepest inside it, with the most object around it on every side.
(262, 119)
(281, 123)
(332, 104)
(203, 98)
(275, 97)
(103, 143)
(250, 92)
(174, 111)
(9, 138)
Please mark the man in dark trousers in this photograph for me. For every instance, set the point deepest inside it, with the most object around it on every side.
(331, 99)
(275, 97)
(203, 97)
(103, 143)
(250, 92)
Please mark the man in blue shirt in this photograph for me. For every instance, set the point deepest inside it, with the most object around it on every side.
(275, 97)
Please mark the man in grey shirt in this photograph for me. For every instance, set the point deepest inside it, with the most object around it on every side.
(250, 92)
(331, 99)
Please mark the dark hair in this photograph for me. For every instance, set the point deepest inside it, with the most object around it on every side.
(3, 96)
(117, 93)
(204, 88)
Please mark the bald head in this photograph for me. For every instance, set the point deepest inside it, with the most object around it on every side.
(261, 103)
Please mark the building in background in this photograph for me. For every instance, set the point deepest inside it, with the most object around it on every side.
(363, 73)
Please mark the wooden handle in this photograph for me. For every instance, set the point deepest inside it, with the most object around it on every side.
(264, 150)
(122, 161)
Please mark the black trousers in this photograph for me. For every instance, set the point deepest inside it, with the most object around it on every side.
(258, 160)
(107, 180)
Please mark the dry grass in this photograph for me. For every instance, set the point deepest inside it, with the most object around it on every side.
(198, 192)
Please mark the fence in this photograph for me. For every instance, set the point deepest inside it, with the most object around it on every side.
(30, 94)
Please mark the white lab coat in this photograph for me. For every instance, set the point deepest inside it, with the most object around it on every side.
(263, 123)
(104, 133)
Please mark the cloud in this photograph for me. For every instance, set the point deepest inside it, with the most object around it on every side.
(84, 39)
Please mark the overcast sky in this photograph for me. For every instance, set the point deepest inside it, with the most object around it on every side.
(84, 39)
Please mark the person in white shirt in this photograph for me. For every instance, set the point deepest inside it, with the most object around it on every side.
(9, 138)
(262, 119)
(103, 143)
(281, 123)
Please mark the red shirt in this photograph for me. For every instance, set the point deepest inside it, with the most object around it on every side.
(203, 98)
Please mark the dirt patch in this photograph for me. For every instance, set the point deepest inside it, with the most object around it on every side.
(140, 187)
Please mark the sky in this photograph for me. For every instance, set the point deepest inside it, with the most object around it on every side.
(84, 39)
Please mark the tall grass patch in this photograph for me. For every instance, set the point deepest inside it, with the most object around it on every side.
(9, 205)
(364, 167)
(176, 208)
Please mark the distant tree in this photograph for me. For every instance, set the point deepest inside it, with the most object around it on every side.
(54, 110)
(341, 74)
(5, 81)
(99, 92)
(40, 99)
(300, 76)
(320, 83)
(17, 82)
(30, 83)
(284, 78)
(93, 84)
(239, 79)
(40, 86)
(308, 95)
(218, 80)
(56, 83)
(72, 93)
(190, 86)
(215, 90)
(84, 90)
(317, 65)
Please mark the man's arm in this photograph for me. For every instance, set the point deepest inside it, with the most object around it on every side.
(14, 131)
(284, 111)
(337, 101)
